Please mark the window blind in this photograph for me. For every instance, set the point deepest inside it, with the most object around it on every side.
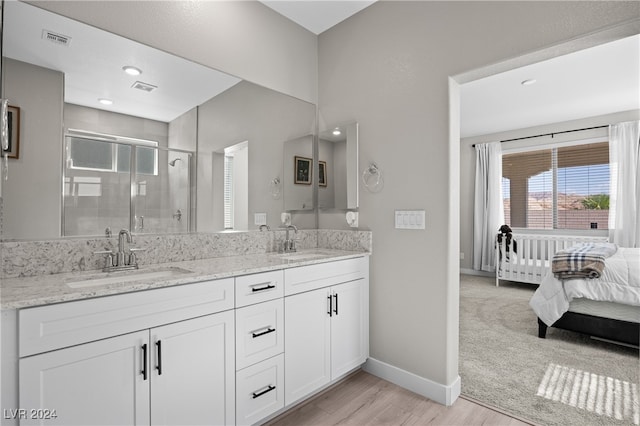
(228, 192)
(557, 188)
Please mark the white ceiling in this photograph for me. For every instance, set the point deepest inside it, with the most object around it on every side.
(596, 81)
(317, 15)
(92, 66)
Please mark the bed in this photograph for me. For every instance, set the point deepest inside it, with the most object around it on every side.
(607, 307)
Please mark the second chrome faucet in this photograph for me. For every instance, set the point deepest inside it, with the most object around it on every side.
(124, 258)
(289, 244)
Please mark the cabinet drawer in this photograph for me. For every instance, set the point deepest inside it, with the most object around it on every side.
(251, 289)
(259, 332)
(52, 327)
(306, 278)
(259, 390)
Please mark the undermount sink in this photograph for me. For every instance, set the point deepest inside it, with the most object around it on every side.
(126, 276)
(303, 255)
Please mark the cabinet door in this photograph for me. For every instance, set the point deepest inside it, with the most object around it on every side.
(348, 327)
(95, 383)
(307, 343)
(193, 372)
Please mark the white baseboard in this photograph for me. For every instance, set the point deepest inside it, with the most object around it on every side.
(443, 394)
(478, 273)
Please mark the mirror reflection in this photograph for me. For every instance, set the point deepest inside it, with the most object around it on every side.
(247, 122)
(338, 167)
(190, 117)
(298, 174)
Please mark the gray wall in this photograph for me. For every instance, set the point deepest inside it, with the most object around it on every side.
(388, 68)
(32, 195)
(468, 166)
(242, 38)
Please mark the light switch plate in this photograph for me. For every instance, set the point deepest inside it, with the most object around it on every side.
(410, 219)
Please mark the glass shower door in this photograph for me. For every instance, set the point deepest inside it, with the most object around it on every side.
(161, 191)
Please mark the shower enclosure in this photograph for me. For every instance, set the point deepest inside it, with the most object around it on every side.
(111, 183)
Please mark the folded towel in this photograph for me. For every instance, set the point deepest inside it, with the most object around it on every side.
(582, 261)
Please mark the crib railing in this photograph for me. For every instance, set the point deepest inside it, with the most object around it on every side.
(527, 257)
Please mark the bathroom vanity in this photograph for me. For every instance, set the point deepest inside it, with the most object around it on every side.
(234, 340)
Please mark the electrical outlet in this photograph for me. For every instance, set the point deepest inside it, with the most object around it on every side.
(260, 218)
(461, 255)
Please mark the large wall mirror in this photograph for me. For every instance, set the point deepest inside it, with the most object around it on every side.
(180, 148)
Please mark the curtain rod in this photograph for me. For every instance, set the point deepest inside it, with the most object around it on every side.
(549, 134)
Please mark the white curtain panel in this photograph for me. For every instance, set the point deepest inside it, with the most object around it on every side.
(624, 209)
(488, 213)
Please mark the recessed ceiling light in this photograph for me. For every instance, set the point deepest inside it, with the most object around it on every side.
(105, 101)
(131, 70)
(528, 82)
(336, 132)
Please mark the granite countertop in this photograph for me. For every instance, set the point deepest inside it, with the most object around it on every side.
(24, 292)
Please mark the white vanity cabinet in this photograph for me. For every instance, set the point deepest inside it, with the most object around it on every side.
(182, 372)
(259, 346)
(326, 324)
(237, 350)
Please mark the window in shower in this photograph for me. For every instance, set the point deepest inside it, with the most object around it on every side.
(114, 183)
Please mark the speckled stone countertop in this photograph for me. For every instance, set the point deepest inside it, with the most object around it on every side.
(16, 293)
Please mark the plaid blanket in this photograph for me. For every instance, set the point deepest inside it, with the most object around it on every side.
(582, 261)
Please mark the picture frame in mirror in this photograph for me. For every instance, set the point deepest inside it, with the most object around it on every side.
(13, 121)
(322, 173)
(302, 170)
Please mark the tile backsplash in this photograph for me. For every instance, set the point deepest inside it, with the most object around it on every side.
(31, 258)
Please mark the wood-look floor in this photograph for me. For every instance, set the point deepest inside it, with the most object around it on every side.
(363, 399)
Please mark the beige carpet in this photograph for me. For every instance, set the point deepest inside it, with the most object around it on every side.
(565, 379)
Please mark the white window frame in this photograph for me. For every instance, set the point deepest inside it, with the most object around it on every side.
(116, 142)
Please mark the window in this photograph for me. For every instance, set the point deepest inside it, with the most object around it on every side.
(228, 192)
(86, 153)
(566, 187)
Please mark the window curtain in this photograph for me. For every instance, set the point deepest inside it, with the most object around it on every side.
(488, 208)
(624, 210)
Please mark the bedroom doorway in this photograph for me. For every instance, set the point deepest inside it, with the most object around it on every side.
(497, 350)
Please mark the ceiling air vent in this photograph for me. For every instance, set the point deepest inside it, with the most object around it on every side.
(144, 86)
(56, 38)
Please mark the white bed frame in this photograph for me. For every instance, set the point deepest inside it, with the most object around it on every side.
(533, 259)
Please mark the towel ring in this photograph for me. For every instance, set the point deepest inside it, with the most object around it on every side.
(372, 178)
(275, 189)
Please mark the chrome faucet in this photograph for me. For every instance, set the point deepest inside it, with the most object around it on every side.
(123, 258)
(289, 244)
(124, 233)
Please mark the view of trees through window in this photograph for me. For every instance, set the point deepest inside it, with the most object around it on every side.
(559, 188)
